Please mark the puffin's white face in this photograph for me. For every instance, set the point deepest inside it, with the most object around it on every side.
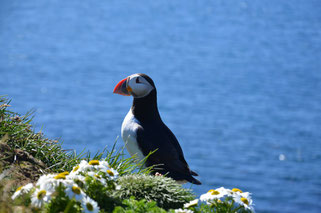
(138, 86)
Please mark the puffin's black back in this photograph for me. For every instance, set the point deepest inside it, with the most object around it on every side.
(155, 135)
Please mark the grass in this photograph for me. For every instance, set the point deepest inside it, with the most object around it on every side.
(16, 132)
(25, 155)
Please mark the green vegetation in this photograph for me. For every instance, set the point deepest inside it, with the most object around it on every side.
(16, 132)
(37, 175)
(132, 205)
(165, 191)
(29, 154)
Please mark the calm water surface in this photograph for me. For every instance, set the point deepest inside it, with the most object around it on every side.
(239, 83)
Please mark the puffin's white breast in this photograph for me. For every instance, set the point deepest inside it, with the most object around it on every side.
(128, 134)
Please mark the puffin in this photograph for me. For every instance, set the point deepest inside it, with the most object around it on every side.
(144, 132)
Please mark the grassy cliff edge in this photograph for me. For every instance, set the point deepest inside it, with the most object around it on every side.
(25, 155)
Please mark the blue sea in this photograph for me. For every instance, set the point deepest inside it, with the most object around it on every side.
(239, 83)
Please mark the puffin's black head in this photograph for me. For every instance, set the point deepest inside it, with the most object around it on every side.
(138, 85)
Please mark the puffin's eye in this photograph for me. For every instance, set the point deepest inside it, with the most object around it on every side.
(137, 80)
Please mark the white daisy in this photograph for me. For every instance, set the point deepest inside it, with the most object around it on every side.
(105, 164)
(85, 166)
(75, 169)
(212, 194)
(191, 204)
(100, 179)
(98, 165)
(39, 197)
(91, 174)
(46, 182)
(73, 175)
(112, 173)
(51, 181)
(22, 190)
(96, 176)
(244, 199)
(73, 191)
(183, 211)
(77, 178)
(82, 167)
(236, 190)
(89, 205)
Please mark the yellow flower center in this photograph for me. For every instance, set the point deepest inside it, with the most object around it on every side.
(110, 172)
(76, 190)
(213, 192)
(76, 168)
(244, 200)
(237, 190)
(94, 162)
(41, 194)
(65, 173)
(60, 176)
(89, 206)
(19, 188)
(97, 176)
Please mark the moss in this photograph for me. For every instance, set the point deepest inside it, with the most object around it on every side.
(165, 191)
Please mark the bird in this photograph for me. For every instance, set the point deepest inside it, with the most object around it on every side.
(144, 132)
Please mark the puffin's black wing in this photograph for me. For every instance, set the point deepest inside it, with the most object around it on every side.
(169, 156)
(175, 143)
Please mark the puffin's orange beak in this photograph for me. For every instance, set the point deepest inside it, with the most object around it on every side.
(121, 88)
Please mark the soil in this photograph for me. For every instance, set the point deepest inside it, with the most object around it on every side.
(17, 168)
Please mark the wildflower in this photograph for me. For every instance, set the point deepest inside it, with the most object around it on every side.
(61, 175)
(94, 162)
(89, 205)
(50, 182)
(97, 177)
(237, 190)
(104, 163)
(112, 173)
(91, 174)
(103, 166)
(75, 168)
(82, 167)
(65, 173)
(93, 165)
(39, 197)
(244, 199)
(76, 178)
(74, 191)
(21, 190)
(215, 194)
(183, 211)
(191, 204)
(46, 182)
